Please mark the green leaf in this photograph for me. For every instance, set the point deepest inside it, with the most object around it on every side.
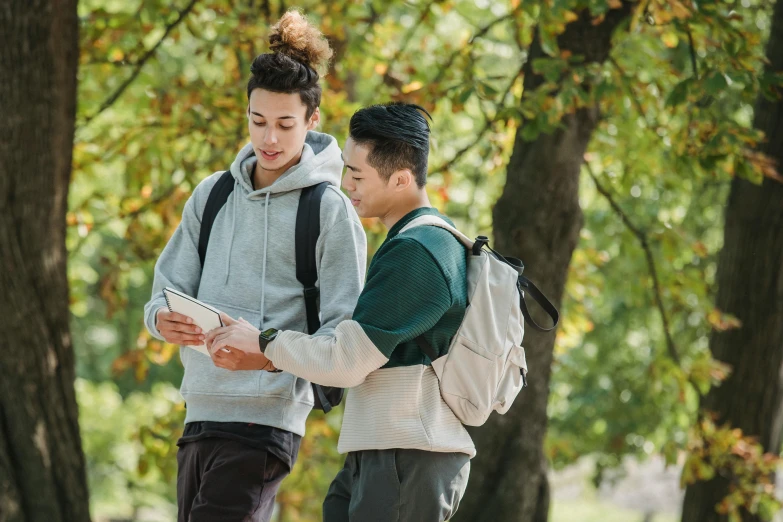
(715, 83)
(465, 94)
(679, 94)
(550, 68)
(549, 43)
(487, 90)
(530, 130)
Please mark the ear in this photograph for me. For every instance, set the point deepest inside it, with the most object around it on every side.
(315, 119)
(402, 180)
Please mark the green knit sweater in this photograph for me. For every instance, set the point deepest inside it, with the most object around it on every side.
(416, 285)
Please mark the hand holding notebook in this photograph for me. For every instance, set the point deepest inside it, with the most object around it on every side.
(204, 316)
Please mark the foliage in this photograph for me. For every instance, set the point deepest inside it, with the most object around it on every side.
(162, 103)
(120, 479)
(719, 451)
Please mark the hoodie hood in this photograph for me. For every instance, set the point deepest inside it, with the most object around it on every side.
(321, 161)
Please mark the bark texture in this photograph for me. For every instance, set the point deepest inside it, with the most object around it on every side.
(42, 469)
(538, 220)
(750, 287)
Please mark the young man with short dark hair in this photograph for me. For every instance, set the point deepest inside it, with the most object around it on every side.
(408, 454)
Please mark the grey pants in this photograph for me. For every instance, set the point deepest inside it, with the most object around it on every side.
(397, 485)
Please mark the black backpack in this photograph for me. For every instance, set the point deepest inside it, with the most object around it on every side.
(308, 228)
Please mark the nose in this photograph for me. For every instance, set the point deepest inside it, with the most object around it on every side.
(347, 185)
(270, 137)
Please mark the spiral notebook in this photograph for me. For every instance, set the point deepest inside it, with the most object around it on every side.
(203, 315)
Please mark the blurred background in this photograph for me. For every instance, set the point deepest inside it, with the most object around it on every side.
(606, 143)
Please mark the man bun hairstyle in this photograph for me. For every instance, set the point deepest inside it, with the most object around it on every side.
(299, 52)
(397, 136)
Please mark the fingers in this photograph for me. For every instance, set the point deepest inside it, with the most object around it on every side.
(178, 329)
(181, 334)
(229, 360)
(222, 362)
(173, 317)
(183, 339)
(227, 319)
(215, 354)
(219, 344)
(214, 336)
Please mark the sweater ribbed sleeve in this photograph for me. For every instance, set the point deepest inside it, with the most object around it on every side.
(406, 294)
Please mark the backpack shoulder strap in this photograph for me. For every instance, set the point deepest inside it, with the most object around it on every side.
(217, 198)
(308, 228)
(429, 220)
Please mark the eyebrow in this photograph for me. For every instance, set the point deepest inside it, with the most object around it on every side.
(280, 118)
(348, 166)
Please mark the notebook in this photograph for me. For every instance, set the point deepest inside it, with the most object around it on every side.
(203, 315)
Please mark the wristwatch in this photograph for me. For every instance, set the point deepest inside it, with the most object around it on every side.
(266, 337)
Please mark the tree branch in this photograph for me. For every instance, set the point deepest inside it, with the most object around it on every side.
(190, 169)
(480, 33)
(642, 237)
(124, 215)
(108, 102)
(487, 125)
(388, 79)
(631, 93)
(694, 63)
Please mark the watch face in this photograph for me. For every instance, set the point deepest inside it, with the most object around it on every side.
(269, 333)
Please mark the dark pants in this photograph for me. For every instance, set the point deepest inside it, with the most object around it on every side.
(221, 480)
(401, 485)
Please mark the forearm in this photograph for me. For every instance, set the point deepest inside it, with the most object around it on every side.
(343, 359)
(178, 267)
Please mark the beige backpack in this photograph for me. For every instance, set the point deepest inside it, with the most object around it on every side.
(485, 367)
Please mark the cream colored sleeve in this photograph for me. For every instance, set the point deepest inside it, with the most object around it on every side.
(343, 359)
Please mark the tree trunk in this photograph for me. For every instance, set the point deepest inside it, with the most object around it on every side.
(750, 287)
(538, 220)
(42, 469)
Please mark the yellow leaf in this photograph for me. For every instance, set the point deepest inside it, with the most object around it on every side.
(411, 87)
(700, 249)
(679, 10)
(381, 68)
(722, 322)
(670, 40)
(570, 16)
(116, 55)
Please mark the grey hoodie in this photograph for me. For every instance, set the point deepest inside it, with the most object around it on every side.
(249, 272)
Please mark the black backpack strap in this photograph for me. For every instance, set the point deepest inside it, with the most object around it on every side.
(525, 285)
(426, 347)
(217, 198)
(308, 228)
(321, 399)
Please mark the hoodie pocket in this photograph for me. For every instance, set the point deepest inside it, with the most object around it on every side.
(204, 378)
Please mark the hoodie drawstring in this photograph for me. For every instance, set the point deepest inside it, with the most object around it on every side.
(263, 263)
(233, 229)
